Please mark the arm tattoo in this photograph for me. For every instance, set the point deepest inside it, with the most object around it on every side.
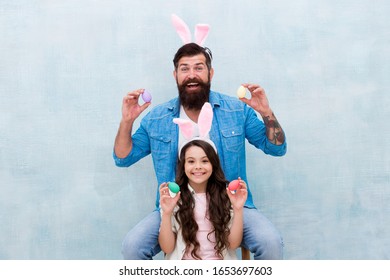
(274, 132)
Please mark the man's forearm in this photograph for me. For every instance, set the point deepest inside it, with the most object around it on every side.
(275, 133)
(123, 143)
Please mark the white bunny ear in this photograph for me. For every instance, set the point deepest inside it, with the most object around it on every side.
(186, 128)
(205, 119)
(201, 32)
(181, 29)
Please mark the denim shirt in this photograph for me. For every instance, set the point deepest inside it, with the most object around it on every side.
(233, 122)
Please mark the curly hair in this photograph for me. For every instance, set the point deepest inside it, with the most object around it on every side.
(219, 204)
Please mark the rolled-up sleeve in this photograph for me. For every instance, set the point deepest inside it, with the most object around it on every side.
(275, 150)
(140, 149)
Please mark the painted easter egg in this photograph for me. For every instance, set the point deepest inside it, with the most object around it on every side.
(146, 96)
(173, 188)
(233, 186)
(241, 92)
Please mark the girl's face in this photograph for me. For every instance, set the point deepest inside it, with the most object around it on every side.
(197, 167)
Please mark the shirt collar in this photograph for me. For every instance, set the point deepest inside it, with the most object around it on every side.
(213, 99)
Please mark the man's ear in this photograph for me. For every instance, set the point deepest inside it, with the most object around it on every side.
(174, 74)
(211, 73)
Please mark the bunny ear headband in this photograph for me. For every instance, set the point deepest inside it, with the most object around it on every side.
(205, 120)
(201, 31)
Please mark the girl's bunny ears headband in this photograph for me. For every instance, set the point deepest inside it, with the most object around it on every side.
(205, 120)
(201, 31)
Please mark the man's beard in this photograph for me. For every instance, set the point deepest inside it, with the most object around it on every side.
(194, 100)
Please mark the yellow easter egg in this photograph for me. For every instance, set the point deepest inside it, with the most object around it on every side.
(241, 92)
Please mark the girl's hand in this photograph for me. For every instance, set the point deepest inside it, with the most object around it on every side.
(239, 197)
(167, 203)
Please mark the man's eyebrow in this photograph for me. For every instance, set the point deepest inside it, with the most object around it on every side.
(187, 64)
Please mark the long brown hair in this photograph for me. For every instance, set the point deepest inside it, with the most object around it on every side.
(218, 201)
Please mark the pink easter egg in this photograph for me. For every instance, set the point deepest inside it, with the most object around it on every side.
(146, 96)
(234, 185)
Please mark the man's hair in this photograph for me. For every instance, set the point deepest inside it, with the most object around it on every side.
(193, 49)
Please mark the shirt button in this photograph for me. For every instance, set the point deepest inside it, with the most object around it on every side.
(233, 132)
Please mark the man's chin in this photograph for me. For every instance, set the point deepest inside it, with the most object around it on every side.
(194, 97)
(193, 101)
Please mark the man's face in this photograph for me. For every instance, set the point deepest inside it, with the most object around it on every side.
(193, 81)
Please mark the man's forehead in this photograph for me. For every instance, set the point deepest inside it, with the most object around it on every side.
(192, 60)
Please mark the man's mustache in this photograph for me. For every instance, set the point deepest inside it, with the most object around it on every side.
(193, 80)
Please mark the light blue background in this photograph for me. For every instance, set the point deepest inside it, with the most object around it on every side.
(65, 66)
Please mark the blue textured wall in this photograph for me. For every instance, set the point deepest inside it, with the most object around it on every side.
(65, 66)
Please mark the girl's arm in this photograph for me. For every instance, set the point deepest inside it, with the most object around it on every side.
(236, 230)
(237, 227)
(166, 237)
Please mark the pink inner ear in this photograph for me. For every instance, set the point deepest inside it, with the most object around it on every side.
(201, 32)
(205, 119)
(185, 126)
(181, 28)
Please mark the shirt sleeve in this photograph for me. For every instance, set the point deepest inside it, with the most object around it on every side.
(140, 149)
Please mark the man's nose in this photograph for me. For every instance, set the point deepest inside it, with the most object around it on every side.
(191, 73)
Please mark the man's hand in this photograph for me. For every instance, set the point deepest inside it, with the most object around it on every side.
(258, 100)
(130, 107)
